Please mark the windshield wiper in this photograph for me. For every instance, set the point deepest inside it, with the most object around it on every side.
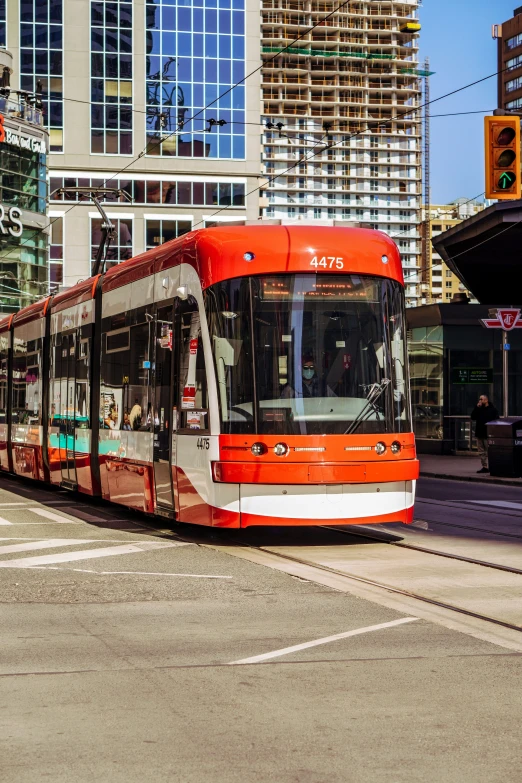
(376, 389)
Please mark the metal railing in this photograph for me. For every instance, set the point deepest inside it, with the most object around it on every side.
(17, 106)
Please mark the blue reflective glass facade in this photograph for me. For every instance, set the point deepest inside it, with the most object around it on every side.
(195, 51)
(111, 77)
(41, 60)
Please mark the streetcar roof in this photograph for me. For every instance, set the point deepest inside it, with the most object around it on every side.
(222, 252)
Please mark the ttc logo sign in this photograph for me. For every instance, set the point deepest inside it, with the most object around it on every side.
(507, 318)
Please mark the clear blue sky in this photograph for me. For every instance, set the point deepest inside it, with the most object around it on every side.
(456, 36)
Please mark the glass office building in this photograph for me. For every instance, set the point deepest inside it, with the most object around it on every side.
(141, 95)
(195, 53)
(41, 60)
(23, 200)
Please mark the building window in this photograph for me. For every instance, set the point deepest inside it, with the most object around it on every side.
(448, 296)
(194, 55)
(318, 213)
(331, 214)
(346, 214)
(159, 231)
(111, 77)
(515, 62)
(120, 248)
(3, 23)
(448, 273)
(449, 284)
(23, 179)
(436, 228)
(56, 244)
(41, 53)
(157, 191)
(514, 84)
(516, 40)
(516, 104)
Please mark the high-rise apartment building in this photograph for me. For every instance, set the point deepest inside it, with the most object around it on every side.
(124, 86)
(509, 43)
(344, 96)
(441, 284)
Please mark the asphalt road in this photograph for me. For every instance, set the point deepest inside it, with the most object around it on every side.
(121, 643)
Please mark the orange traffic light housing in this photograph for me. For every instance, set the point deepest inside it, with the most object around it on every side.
(503, 164)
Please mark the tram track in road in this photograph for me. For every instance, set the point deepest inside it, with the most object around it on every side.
(351, 577)
(428, 551)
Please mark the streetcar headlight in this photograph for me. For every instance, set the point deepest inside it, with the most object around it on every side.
(395, 447)
(258, 449)
(280, 449)
(249, 256)
(380, 447)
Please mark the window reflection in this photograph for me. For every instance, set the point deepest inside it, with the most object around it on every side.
(194, 54)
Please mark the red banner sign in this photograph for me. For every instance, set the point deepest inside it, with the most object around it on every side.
(507, 318)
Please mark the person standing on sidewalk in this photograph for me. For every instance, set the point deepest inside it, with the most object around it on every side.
(483, 412)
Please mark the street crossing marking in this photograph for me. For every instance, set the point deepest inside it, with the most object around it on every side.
(324, 640)
(86, 554)
(42, 512)
(50, 543)
(4, 521)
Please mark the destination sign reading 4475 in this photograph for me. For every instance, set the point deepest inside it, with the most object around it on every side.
(507, 318)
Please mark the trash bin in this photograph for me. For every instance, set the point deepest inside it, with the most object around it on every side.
(505, 447)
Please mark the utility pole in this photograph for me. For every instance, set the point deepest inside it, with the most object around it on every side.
(425, 271)
(505, 374)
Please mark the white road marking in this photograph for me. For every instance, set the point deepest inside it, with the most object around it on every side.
(134, 573)
(500, 503)
(50, 543)
(36, 524)
(67, 557)
(4, 521)
(13, 504)
(42, 512)
(324, 640)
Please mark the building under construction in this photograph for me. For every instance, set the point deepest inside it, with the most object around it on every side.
(346, 96)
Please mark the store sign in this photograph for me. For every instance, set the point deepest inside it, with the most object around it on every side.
(10, 221)
(22, 140)
(507, 318)
(472, 375)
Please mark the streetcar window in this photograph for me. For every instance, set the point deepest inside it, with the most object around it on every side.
(4, 348)
(309, 354)
(125, 401)
(192, 391)
(27, 374)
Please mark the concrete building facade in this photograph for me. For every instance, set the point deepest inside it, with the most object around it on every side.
(124, 85)
(344, 97)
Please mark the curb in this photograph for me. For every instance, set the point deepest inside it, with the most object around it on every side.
(451, 477)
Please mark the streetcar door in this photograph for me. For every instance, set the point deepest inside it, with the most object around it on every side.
(68, 408)
(162, 412)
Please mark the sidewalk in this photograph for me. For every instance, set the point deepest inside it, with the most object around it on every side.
(460, 469)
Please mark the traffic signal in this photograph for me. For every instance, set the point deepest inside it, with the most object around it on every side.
(503, 164)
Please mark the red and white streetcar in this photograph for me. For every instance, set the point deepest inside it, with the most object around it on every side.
(236, 376)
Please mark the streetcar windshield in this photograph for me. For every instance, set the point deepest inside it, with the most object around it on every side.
(309, 354)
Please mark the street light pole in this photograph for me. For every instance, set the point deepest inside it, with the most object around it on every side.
(505, 376)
